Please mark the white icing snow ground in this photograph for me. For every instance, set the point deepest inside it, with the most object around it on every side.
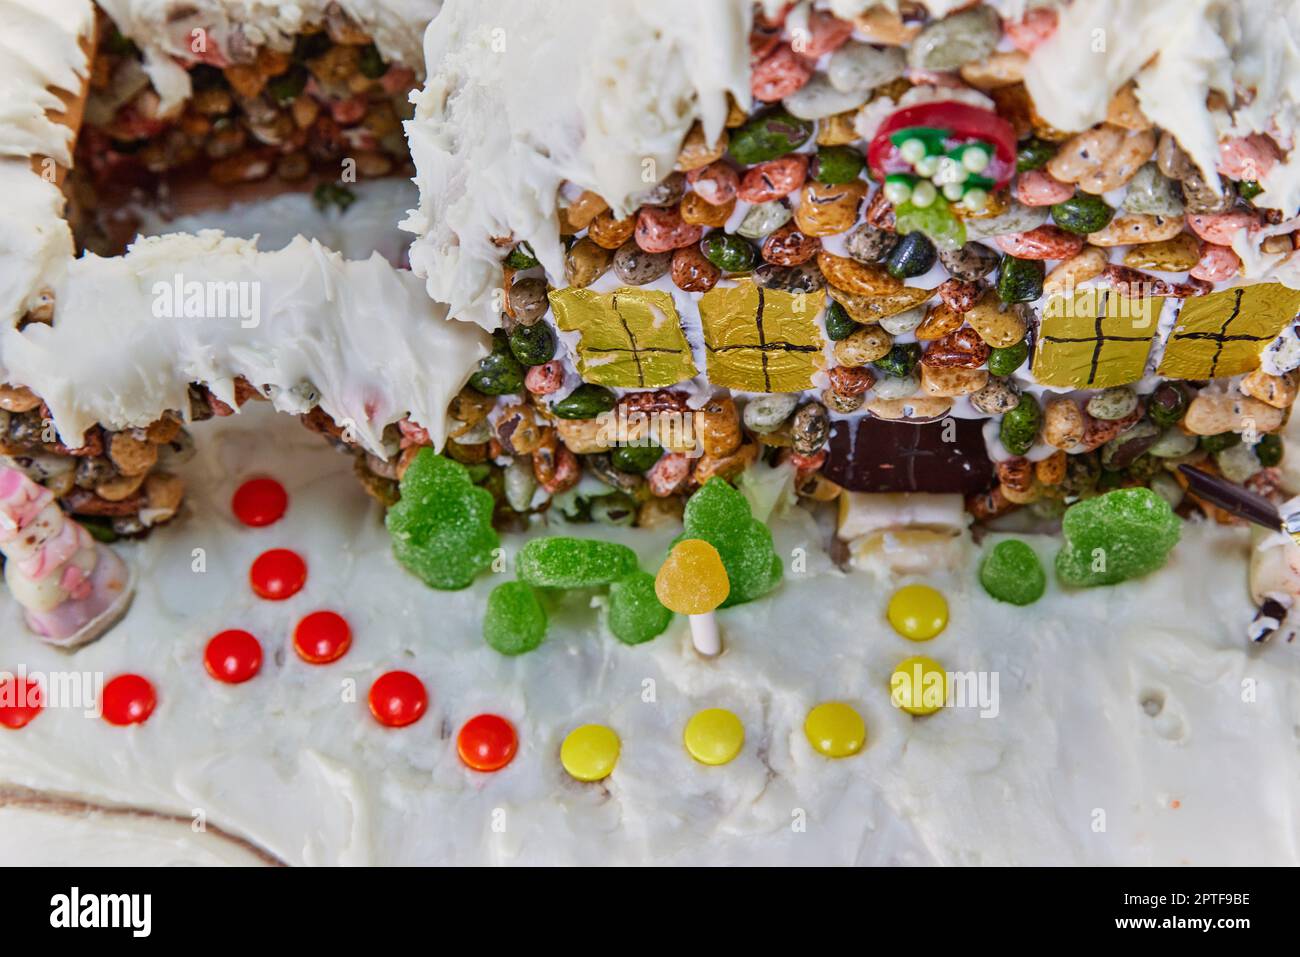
(1126, 701)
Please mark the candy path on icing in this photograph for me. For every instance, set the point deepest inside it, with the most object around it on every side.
(1126, 699)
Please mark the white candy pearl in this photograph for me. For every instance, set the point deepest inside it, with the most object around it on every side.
(912, 150)
(924, 194)
(975, 159)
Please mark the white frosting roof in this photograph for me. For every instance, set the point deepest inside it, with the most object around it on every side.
(40, 52)
(359, 334)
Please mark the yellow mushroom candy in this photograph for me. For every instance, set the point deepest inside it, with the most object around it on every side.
(692, 580)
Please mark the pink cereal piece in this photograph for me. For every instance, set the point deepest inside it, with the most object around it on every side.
(716, 183)
(761, 43)
(826, 33)
(1044, 242)
(1217, 264)
(774, 179)
(1037, 26)
(1220, 228)
(545, 378)
(210, 54)
(808, 463)
(780, 74)
(413, 434)
(397, 79)
(349, 111)
(1039, 188)
(661, 230)
(1248, 157)
(668, 475)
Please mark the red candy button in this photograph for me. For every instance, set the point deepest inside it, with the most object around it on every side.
(21, 700)
(322, 637)
(278, 574)
(128, 699)
(397, 699)
(487, 742)
(233, 656)
(259, 502)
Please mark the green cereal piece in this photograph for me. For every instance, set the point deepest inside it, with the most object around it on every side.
(720, 515)
(585, 402)
(1004, 361)
(1269, 449)
(1034, 153)
(635, 614)
(834, 165)
(1019, 427)
(522, 257)
(1082, 213)
(561, 562)
(533, 345)
(636, 459)
(769, 135)
(729, 253)
(1020, 280)
(1120, 535)
(442, 526)
(1011, 572)
(515, 621)
(499, 372)
(838, 324)
(900, 360)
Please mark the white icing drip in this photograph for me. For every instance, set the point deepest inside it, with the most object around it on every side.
(35, 241)
(40, 52)
(363, 334)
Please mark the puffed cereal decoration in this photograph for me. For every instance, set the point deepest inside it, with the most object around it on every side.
(1223, 334)
(761, 340)
(631, 338)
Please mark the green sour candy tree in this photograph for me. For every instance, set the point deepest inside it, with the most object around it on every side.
(1114, 537)
(719, 514)
(442, 527)
(634, 613)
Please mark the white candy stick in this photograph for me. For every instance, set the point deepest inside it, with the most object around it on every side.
(705, 635)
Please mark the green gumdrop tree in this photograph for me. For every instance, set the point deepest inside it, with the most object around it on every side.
(719, 514)
(442, 527)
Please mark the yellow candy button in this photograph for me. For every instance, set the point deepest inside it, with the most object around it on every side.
(918, 612)
(590, 752)
(835, 730)
(714, 736)
(919, 685)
